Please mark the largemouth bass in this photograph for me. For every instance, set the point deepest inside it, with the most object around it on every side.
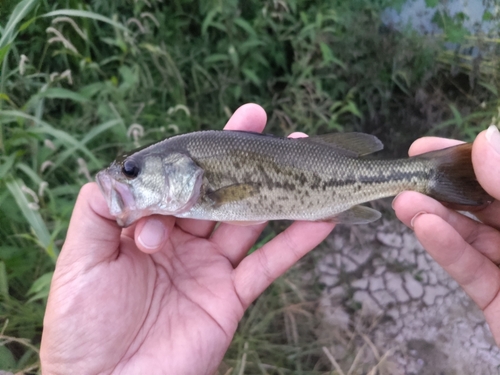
(235, 176)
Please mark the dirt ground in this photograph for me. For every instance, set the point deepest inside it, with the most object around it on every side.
(409, 316)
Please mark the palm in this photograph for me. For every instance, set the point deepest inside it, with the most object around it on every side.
(188, 298)
(141, 311)
(124, 311)
(117, 306)
(467, 249)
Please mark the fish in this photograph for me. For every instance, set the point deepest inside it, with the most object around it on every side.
(244, 177)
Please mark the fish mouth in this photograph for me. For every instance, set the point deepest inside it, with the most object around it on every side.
(120, 200)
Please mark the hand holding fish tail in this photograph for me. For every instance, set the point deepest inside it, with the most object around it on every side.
(164, 295)
(467, 249)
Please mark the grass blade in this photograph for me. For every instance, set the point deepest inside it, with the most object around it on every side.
(19, 12)
(85, 14)
(4, 282)
(60, 93)
(6, 164)
(45, 128)
(90, 135)
(40, 287)
(33, 218)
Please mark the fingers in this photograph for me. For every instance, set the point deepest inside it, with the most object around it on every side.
(482, 237)
(298, 135)
(249, 117)
(466, 249)
(152, 232)
(234, 241)
(93, 234)
(486, 162)
(479, 277)
(258, 270)
(490, 215)
(485, 158)
(198, 228)
(427, 144)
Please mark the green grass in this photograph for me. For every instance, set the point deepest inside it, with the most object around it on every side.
(82, 81)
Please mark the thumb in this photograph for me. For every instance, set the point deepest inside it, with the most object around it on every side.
(486, 160)
(93, 234)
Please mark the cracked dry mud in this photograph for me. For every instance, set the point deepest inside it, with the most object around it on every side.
(423, 320)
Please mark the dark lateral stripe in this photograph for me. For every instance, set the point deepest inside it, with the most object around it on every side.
(363, 179)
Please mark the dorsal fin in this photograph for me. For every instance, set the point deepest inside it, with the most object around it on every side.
(352, 144)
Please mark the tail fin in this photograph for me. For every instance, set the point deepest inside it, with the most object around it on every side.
(454, 180)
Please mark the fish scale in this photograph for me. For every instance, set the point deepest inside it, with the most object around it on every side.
(347, 183)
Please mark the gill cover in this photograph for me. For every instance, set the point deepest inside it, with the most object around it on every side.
(183, 179)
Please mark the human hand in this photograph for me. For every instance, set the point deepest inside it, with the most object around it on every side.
(468, 250)
(164, 295)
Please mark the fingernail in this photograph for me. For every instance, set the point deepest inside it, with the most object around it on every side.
(493, 137)
(298, 135)
(414, 217)
(152, 234)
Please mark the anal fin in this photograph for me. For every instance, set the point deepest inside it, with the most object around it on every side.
(356, 215)
(245, 223)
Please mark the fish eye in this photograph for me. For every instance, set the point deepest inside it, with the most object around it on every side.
(130, 169)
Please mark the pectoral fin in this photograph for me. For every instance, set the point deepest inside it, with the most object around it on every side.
(231, 193)
(356, 215)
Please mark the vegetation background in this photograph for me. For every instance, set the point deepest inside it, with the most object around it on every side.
(82, 81)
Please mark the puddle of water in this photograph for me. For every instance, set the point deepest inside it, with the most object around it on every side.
(420, 16)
